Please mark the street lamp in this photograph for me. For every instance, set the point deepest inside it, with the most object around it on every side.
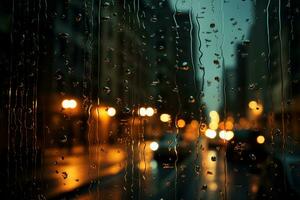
(111, 111)
(181, 123)
(255, 108)
(69, 104)
(165, 117)
(260, 139)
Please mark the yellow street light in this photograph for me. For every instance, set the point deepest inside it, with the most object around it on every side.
(229, 125)
(69, 103)
(258, 110)
(260, 139)
(214, 115)
(252, 105)
(111, 111)
(213, 125)
(180, 123)
(100, 112)
(165, 117)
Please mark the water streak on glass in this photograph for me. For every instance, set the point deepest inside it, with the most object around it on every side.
(283, 100)
(269, 65)
(224, 92)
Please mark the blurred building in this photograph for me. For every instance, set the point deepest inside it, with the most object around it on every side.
(272, 69)
(124, 55)
(236, 83)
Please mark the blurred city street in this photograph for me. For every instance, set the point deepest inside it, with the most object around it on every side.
(73, 174)
(150, 100)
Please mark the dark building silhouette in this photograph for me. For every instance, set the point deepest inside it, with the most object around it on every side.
(273, 64)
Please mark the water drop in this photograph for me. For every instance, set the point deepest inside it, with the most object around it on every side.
(246, 42)
(93, 165)
(191, 99)
(213, 158)
(209, 173)
(58, 77)
(107, 90)
(78, 17)
(64, 139)
(155, 83)
(64, 175)
(105, 18)
(216, 62)
(252, 156)
(252, 86)
(204, 187)
(128, 71)
(197, 169)
(105, 4)
(277, 132)
(153, 19)
(126, 110)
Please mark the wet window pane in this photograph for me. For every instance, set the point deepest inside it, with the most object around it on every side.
(144, 99)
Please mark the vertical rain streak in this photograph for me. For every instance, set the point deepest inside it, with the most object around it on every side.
(98, 131)
(132, 155)
(282, 100)
(179, 110)
(224, 91)
(199, 96)
(144, 149)
(35, 86)
(270, 77)
(268, 33)
(21, 104)
(137, 13)
(201, 67)
(10, 91)
(86, 80)
(191, 47)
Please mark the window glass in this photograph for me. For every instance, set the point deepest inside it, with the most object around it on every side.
(144, 99)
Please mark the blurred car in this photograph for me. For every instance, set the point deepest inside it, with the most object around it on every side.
(218, 138)
(164, 148)
(246, 145)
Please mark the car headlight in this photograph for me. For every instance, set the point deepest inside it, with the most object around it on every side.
(210, 133)
(154, 146)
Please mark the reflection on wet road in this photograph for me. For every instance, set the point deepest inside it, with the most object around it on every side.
(201, 176)
(69, 169)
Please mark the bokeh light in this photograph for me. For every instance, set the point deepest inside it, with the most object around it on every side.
(210, 133)
(165, 117)
(180, 123)
(111, 111)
